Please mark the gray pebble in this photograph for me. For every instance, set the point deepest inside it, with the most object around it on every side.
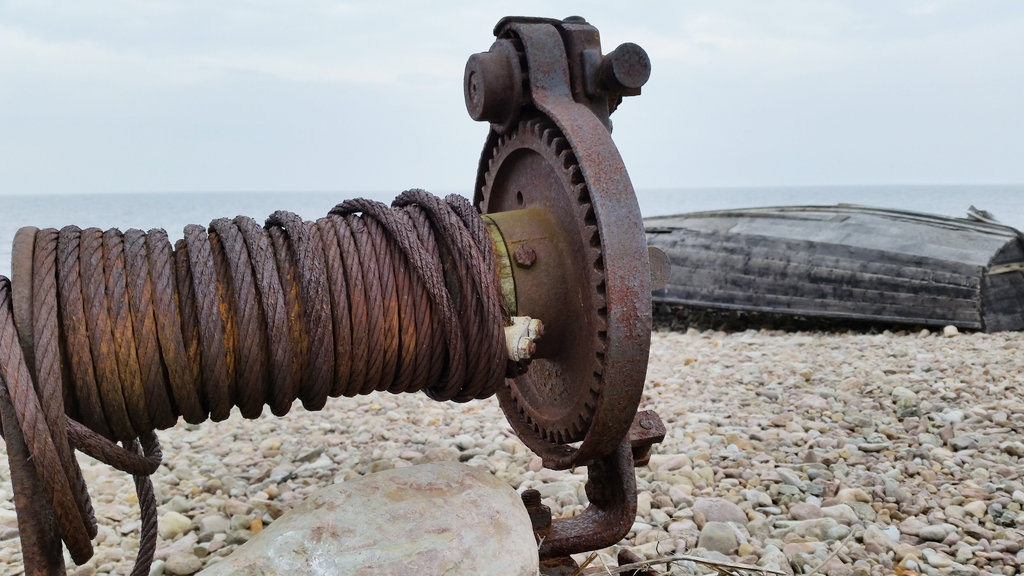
(887, 445)
(182, 564)
(719, 537)
(717, 510)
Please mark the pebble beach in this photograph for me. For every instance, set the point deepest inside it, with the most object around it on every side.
(834, 452)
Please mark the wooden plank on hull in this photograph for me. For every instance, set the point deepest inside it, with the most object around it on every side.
(845, 262)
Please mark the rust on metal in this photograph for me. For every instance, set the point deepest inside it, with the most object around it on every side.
(562, 566)
(460, 353)
(646, 431)
(37, 526)
(22, 252)
(540, 514)
(418, 296)
(525, 256)
(611, 489)
(627, 557)
(560, 161)
(551, 178)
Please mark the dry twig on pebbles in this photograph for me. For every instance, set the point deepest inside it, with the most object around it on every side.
(724, 568)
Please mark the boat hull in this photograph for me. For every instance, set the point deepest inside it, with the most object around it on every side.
(845, 262)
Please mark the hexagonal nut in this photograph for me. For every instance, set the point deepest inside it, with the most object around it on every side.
(525, 256)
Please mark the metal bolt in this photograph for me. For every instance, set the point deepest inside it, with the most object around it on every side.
(540, 515)
(527, 348)
(531, 498)
(525, 256)
(520, 337)
(647, 429)
(492, 84)
(626, 69)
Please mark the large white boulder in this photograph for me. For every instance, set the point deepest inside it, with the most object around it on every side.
(440, 518)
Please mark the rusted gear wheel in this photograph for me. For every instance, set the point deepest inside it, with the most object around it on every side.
(566, 396)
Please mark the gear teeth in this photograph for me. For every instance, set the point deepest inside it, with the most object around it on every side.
(576, 177)
(600, 287)
(568, 160)
(561, 146)
(539, 135)
(579, 428)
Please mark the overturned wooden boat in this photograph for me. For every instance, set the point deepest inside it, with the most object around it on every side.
(846, 262)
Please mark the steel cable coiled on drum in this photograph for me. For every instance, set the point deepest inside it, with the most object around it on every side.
(116, 335)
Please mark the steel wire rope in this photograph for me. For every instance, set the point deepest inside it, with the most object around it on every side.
(123, 335)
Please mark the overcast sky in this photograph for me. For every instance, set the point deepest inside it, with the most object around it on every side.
(361, 96)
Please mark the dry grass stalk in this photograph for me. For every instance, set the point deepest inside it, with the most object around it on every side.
(723, 568)
(833, 554)
(586, 563)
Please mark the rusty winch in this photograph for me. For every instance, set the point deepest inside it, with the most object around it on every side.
(108, 336)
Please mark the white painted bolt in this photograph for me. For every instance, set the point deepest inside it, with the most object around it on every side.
(521, 336)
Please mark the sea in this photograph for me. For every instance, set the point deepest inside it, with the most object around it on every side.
(173, 211)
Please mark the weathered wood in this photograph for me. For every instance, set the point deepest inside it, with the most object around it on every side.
(1003, 302)
(721, 248)
(845, 262)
